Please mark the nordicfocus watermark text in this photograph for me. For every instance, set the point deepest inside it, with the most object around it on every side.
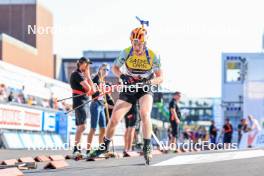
(63, 30)
(190, 146)
(40, 30)
(127, 88)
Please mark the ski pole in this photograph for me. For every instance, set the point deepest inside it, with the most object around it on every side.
(71, 97)
(107, 114)
(88, 101)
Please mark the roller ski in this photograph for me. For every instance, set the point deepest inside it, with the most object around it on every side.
(147, 152)
(96, 155)
(76, 156)
(101, 152)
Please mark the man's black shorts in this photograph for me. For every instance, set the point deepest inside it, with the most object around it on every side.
(227, 138)
(133, 97)
(81, 113)
(80, 116)
(174, 128)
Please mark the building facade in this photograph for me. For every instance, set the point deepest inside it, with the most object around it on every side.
(242, 86)
(25, 38)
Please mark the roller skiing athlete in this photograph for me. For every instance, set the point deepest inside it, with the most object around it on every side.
(139, 67)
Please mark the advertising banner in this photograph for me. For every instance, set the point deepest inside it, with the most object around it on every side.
(15, 117)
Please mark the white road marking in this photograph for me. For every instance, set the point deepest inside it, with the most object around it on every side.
(210, 157)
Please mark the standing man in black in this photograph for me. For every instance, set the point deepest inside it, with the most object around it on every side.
(213, 132)
(175, 118)
(240, 128)
(228, 132)
(81, 85)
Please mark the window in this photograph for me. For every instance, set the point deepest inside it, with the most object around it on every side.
(233, 71)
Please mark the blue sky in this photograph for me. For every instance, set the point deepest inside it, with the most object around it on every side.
(189, 35)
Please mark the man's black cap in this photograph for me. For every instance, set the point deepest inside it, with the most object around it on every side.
(84, 60)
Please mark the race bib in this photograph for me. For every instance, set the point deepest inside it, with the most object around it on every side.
(139, 63)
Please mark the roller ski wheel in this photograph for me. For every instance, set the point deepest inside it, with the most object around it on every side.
(147, 161)
(78, 156)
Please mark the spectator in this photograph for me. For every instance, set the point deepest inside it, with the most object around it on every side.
(3, 94)
(21, 98)
(51, 101)
(175, 117)
(228, 132)
(22, 95)
(204, 134)
(31, 101)
(213, 132)
(11, 96)
(200, 133)
(97, 107)
(241, 129)
(253, 123)
(186, 134)
(192, 136)
(245, 128)
(254, 128)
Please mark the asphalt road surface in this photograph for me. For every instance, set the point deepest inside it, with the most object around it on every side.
(212, 163)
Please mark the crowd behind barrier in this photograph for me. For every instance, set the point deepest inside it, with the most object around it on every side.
(13, 95)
